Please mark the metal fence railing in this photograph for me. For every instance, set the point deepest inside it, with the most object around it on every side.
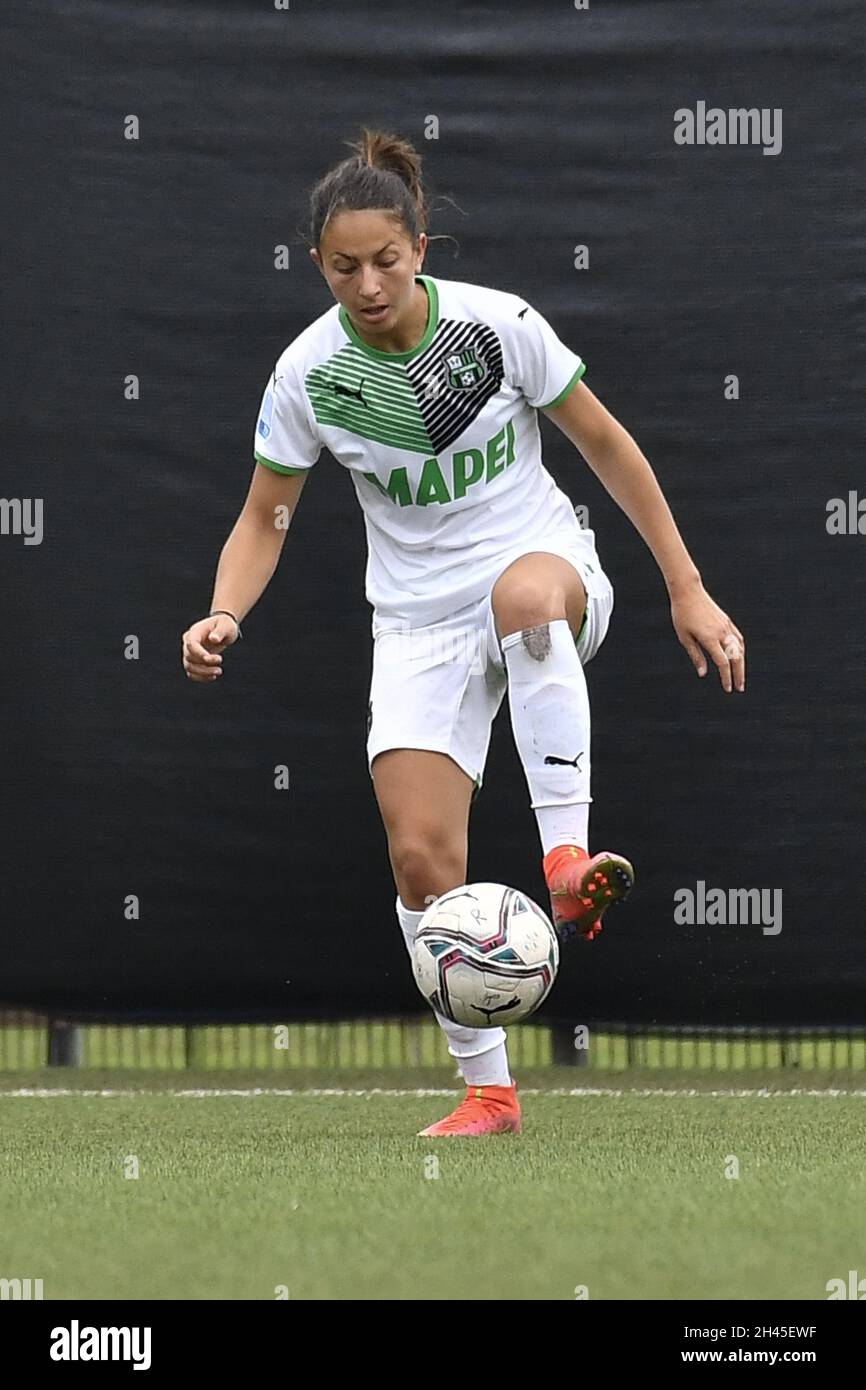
(29, 1042)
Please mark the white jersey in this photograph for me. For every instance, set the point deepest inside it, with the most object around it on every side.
(442, 442)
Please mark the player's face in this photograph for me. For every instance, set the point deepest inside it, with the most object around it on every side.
(370, 264)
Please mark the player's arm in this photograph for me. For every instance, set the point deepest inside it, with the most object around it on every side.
(249, 556)
(246, 564)
(620, 466)
(626, 475)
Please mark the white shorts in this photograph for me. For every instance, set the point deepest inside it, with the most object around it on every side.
(439, 687)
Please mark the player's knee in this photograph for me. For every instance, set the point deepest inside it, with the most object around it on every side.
(527, 605)
(426, 863)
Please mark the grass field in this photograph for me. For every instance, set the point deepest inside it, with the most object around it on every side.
(334, 1197)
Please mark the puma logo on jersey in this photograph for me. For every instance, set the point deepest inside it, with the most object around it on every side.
(342, 390)
(551, 759)
(523, 311)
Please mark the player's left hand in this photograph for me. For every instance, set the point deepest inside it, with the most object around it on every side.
(703, 627)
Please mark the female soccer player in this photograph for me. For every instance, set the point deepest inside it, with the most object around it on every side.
(479, 575)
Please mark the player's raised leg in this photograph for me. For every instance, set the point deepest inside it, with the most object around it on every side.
(539, 603)
(424, 798)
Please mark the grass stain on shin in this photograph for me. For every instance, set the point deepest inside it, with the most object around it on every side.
(536, 640)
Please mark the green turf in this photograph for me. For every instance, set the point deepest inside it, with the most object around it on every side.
(330, 1196)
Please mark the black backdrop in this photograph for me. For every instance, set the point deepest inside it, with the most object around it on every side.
(155, 257)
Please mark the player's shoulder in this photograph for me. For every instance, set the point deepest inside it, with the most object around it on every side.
(500, 308)
(314, 344)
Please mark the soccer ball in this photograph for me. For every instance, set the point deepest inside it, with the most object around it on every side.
(485, 955)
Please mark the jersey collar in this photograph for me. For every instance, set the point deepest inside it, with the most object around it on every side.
(432, 320)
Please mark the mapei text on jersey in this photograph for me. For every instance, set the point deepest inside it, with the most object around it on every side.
(440, 482)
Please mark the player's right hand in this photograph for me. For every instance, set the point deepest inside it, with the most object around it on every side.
(203, 643)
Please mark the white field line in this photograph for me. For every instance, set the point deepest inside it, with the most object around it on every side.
(762, 1093)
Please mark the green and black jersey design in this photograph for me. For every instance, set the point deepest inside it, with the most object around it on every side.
(441, 442)
(423, 404)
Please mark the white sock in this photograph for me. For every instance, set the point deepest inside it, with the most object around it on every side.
(479, 1052)
(549, 705)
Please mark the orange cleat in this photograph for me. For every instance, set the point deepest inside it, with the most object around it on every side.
(583, 888)
(485, 1110)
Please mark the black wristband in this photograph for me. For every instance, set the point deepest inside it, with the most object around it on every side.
(228, 615)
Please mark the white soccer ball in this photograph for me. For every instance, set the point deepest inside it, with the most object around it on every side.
(485, 955)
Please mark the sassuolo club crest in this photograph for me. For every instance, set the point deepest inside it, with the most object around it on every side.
(465, 369)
